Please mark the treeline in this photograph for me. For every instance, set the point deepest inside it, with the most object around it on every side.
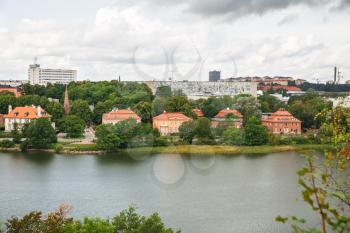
(127, 221)
(328, 87)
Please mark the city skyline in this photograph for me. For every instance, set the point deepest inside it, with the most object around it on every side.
(137, 39)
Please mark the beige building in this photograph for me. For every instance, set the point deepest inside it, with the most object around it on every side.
(116, 116)
(37, 75)
(169, 122)
(22, 115)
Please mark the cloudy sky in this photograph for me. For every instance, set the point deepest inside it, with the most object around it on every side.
(157, 39)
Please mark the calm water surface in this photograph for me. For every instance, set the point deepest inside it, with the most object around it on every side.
(201, 194)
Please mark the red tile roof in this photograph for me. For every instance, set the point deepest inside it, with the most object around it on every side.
(279, 87)
(27, 112)
(224, 112)
(172, 116)
(122, 114)
(281, 115)
(198, 112)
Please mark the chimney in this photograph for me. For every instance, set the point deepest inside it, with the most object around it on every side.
(39, 111)
(10, 108)
(335, 74)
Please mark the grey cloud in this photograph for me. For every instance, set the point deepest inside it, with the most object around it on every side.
(288, 19)
(237, 8)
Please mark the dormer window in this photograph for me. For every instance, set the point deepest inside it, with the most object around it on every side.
(26, 114)
(16, 113)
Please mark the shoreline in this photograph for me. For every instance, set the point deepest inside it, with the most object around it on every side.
(185, 150)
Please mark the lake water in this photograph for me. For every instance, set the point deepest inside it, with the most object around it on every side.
(203, 194)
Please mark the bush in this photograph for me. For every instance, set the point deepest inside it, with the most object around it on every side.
(58, 148)
(160, 141)
(7, 144)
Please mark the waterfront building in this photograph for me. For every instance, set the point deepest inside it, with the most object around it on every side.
(228, 117)
(282, 122)
(15, 90)
(169, 122)
(118, 115)
(22, 115)
(37, 75)
(214, 76)
(198, 112)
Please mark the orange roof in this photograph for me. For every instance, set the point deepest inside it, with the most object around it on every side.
(279, 87)
(224, 112)
(172, 116)
(122, 114)
(27, 112)
(281, 115)
(198, 112)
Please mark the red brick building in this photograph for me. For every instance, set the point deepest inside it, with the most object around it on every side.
(15, 90)
(282, 122)
(223, 118)
(169, 122)
(278, 87)
(198, 112)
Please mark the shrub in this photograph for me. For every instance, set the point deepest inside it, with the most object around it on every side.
(7, 144)
(58, 148)
(160, 141)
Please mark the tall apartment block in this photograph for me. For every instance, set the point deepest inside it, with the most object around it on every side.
(37, 75)
(214, 76)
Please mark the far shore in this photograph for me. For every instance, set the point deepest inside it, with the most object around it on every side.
(185, 149)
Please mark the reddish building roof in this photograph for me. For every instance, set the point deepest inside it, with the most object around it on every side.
(122, 114)
(223, 113)
(27, 112)
(281, 115)
(172, 116)
(198, 112)
(279, 87)
(15, 90)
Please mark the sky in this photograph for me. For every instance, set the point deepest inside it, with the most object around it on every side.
(161, 39)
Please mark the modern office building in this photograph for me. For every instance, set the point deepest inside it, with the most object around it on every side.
(37, 75)
(214, 76)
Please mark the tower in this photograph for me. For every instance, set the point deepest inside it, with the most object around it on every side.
(66, 105)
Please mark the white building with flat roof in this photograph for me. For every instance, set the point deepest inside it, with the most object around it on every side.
(37, 75)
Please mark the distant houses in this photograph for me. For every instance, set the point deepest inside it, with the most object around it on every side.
(282, 122)
(169, 122)
(279, 122)
(15, 90)
(118, 115)
(22, 115)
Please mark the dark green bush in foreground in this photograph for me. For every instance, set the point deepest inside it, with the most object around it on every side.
(127, 221)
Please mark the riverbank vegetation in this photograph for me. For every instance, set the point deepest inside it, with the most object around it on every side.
(325, 182)
(127, 221)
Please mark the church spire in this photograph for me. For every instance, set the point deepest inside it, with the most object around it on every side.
(66, 105)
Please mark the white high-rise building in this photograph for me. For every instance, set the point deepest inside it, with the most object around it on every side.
(37, 75)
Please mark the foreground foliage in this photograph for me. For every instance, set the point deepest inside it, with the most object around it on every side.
(127, 221)
(325, 183)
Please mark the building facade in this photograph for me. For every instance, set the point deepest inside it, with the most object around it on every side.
(214, 76)
(169, 123)
(37, 75)
(198, 112)
(282, 122)
(116, 116)
(198, 89)
(22, 115)
(15, 90)
(229, 118)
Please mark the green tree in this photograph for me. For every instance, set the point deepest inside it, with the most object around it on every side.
(255, 133)
(186, 131)
(211, 107)
(72, 125)
(179, 104)
(16, 134)
(81, 109)
(233, 136)
(107, 139)
(158, 105)
(56, 110)
(270, 103)
(100, 109)
(40, 133)
(163, 91)
(249, 106)
(144, 110)
(202, 128)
